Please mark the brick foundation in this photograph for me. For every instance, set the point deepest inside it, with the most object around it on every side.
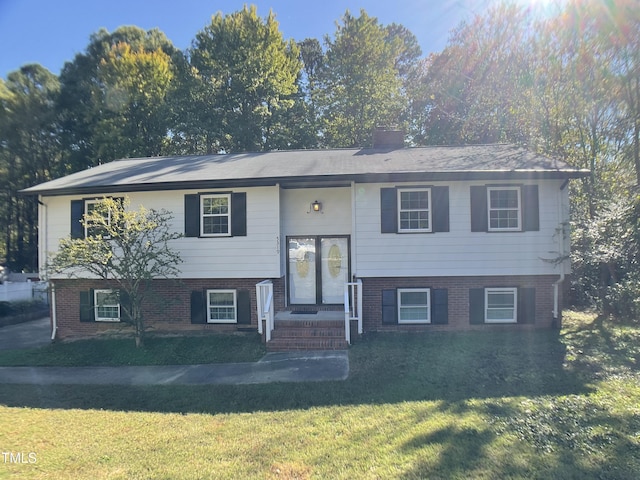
(176, 317)
(458, 300)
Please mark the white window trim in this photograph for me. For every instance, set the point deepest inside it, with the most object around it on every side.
(228, 215)
(489, 210)
(235, 306)
(430, 210)
(96, 305)
(94, 201)
(488, 291)
(428, 305)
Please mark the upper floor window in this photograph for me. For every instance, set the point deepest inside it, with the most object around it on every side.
(94, 228)
(414, 212)
(215, 215)
(504, 208)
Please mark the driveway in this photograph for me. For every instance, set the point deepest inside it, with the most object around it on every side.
(34, 334)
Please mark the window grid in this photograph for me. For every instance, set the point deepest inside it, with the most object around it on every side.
(501, 305)
(504, 208)
(221, 306)
(215, 215)
(107, 306)
(414, 212)
(89, 229)
(414, 305)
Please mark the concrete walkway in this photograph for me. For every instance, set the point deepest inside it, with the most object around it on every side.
(26, 335)
(273, 367)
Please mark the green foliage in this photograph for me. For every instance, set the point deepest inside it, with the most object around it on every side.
(360, 83)
(128, 248)
(244, 72)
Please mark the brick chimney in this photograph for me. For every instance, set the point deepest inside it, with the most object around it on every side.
(388, 138)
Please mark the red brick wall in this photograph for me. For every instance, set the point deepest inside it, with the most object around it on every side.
(458, 298)
(174, 317)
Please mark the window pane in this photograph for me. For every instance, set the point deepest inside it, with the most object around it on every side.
(414, 313)
(215, 206)
(500, 313)
(221, 298)
(414, 298)
(502, 299)
(504, 198)
(418, 200)
(215, 225)
(222, 313)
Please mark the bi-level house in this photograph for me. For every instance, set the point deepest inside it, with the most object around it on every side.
(379, 239)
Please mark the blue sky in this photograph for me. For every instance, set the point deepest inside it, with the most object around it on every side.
(51, 32)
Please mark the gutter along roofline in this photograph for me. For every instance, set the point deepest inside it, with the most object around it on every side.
(309, 181)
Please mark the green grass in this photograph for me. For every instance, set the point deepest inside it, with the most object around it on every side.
(188, 350)
(479, 405)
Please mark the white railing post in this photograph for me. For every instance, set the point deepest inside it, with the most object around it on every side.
(359, 299)
(347, 314)
(264, 299)
(352, 307)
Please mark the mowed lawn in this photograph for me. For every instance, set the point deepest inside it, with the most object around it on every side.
(479, 405)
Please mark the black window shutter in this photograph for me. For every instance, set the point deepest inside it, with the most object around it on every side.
(388, 210)
(526, 305)
(77, 212)
(439, 306)
(389, 307)
(87, 312)
(198, 309)
(530, 208)
(476, 306)
(192, 215)
(244, 307)
(125, 305)
(479, 217)
(239, 214)
(440, 209)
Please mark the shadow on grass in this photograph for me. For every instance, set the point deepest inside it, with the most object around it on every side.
(385, 368)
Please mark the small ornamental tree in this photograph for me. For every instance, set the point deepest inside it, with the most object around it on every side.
(128, 249)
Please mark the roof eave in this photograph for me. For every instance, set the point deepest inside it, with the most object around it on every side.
(312, 181)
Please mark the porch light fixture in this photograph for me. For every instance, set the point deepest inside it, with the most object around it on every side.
(316, 206)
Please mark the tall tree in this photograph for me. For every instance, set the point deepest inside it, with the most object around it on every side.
(361, 87)
(245, 72)
(98, 102)
(30, 153)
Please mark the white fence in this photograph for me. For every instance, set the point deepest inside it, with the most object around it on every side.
(23, 291)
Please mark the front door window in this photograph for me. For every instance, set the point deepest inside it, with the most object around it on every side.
(318, 268)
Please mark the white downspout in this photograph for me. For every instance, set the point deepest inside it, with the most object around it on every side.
(54, 318)
(560, 281)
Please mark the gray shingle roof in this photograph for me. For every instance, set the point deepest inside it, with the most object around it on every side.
(310, 167)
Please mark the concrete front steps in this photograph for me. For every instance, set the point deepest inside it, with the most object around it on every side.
(320, 331)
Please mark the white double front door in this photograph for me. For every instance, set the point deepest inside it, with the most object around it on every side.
(317, 269)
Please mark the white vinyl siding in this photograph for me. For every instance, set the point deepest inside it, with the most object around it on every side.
(414, 305)
(414, 210)
(504, 209)
(106, 305)
(500, 305)
(222, 306)
(458, 252)
(215, 220)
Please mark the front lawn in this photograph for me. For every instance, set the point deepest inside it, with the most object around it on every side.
(184, 350)
(479, 405)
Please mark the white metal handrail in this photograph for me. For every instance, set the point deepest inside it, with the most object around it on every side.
(352, 307)
(264, 297)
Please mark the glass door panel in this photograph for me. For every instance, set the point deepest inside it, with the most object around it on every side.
(302, 270)
(335, 268)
